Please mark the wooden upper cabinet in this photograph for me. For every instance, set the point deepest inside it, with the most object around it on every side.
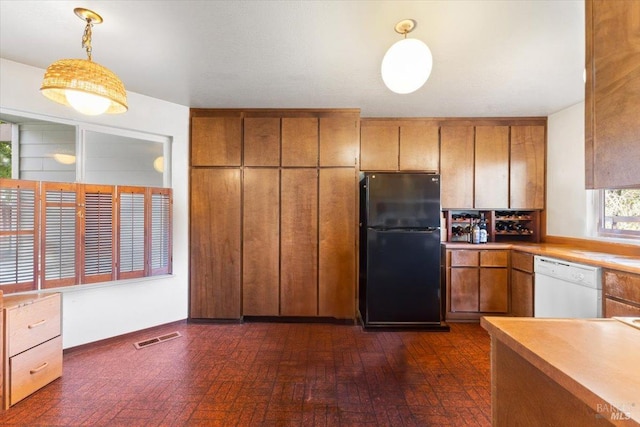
(261, 242)
(299, 242)
(612, 128)
(337, 250)
(527, 172)
(456, 167)
(262, 141)
(420, 148)
(215, 243)
(216, 141)
(379, 148)
(299, 141)
(339, 141)
(492, 167)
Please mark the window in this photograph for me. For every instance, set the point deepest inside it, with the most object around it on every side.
(81, 233)
(620, 213)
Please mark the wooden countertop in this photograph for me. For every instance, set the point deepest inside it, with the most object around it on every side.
(597, 360)
(629, 264)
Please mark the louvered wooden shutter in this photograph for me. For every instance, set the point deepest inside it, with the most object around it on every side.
(131, 232)
(18, 235)
(97, 231)
(161, 211)
(59, 235)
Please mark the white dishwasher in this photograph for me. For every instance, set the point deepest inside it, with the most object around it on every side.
(566, 289)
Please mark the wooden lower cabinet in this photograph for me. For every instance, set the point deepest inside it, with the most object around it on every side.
(215, 243)
(261, 243)
(522, 278)
(32, 340)
(477, 283)
(299, 242)
(621, 293)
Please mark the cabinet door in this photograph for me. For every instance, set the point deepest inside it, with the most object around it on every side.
(521, 293)
(492, 167)
(299, 243)
(216, 141)
(494, 258)
(456, 167)
(464, 289)
(262, 141)
(527, 167)
(260, 242)
(215, 244)
(612, 91)
(420, 148)
(339, 141)
(379, 148)
(337, 222)
(299, 141)
(494, 290)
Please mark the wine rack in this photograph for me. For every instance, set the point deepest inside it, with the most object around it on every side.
(502, 225)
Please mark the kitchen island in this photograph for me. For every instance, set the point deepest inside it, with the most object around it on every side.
(564, 372)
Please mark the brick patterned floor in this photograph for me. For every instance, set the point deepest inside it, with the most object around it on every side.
(270, 374)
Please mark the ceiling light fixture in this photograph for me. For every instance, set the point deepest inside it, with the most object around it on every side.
(83, 84)
(407, 64)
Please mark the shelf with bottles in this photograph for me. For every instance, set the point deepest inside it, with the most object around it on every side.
(501, 225)
(516, 225)
(460, 224)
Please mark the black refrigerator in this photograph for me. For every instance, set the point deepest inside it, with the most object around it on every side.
(400, 250)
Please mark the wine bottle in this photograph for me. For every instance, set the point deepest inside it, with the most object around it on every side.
(483, 229)
(475, 233)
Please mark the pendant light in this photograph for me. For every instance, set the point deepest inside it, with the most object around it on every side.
(407, 64)
(83, 84)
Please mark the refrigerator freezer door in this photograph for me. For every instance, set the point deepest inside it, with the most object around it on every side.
(402, 200)
(403, 277)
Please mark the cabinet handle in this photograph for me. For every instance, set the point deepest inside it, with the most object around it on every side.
(35, 325)
(39, 368)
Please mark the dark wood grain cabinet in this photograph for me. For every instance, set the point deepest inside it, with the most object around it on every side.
(491, 179)
(612, 91)
(621, 293)
(215, 243)
(522, 282)
(260, 242)
(273, 231)
(477, 283)
(216, 141)
(399, 145)
(456, 167)
(527, 167)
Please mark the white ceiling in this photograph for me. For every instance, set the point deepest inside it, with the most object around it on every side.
(491, 58)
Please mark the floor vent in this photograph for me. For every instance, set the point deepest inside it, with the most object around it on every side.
(156, 340)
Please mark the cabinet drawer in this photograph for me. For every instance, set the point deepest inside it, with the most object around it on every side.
(622, 285)
(617, 308)
(35, 368)
(31, 324)
(494, 258)
(522, 261)
(464, 258)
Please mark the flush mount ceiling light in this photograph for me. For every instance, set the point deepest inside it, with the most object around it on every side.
(407, 64)
(83, 84)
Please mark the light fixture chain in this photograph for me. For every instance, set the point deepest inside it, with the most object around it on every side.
(86, 38)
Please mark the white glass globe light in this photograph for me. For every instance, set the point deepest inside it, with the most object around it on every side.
(87, 103)
(406, 66)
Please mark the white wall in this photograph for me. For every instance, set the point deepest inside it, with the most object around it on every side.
(569, 205)
(102, 311)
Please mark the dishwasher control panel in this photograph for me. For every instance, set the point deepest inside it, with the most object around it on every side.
(581, 274)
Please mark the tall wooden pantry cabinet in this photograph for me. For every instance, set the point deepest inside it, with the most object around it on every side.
(273, 213)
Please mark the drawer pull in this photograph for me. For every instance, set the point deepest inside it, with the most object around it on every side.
(39, 368)
(35, 325)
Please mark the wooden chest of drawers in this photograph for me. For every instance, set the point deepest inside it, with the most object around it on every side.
(32, 356)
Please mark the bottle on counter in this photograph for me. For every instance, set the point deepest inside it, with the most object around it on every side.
(475, 233)
(483, 229)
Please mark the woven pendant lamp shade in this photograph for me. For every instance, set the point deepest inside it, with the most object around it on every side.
(85, 76)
